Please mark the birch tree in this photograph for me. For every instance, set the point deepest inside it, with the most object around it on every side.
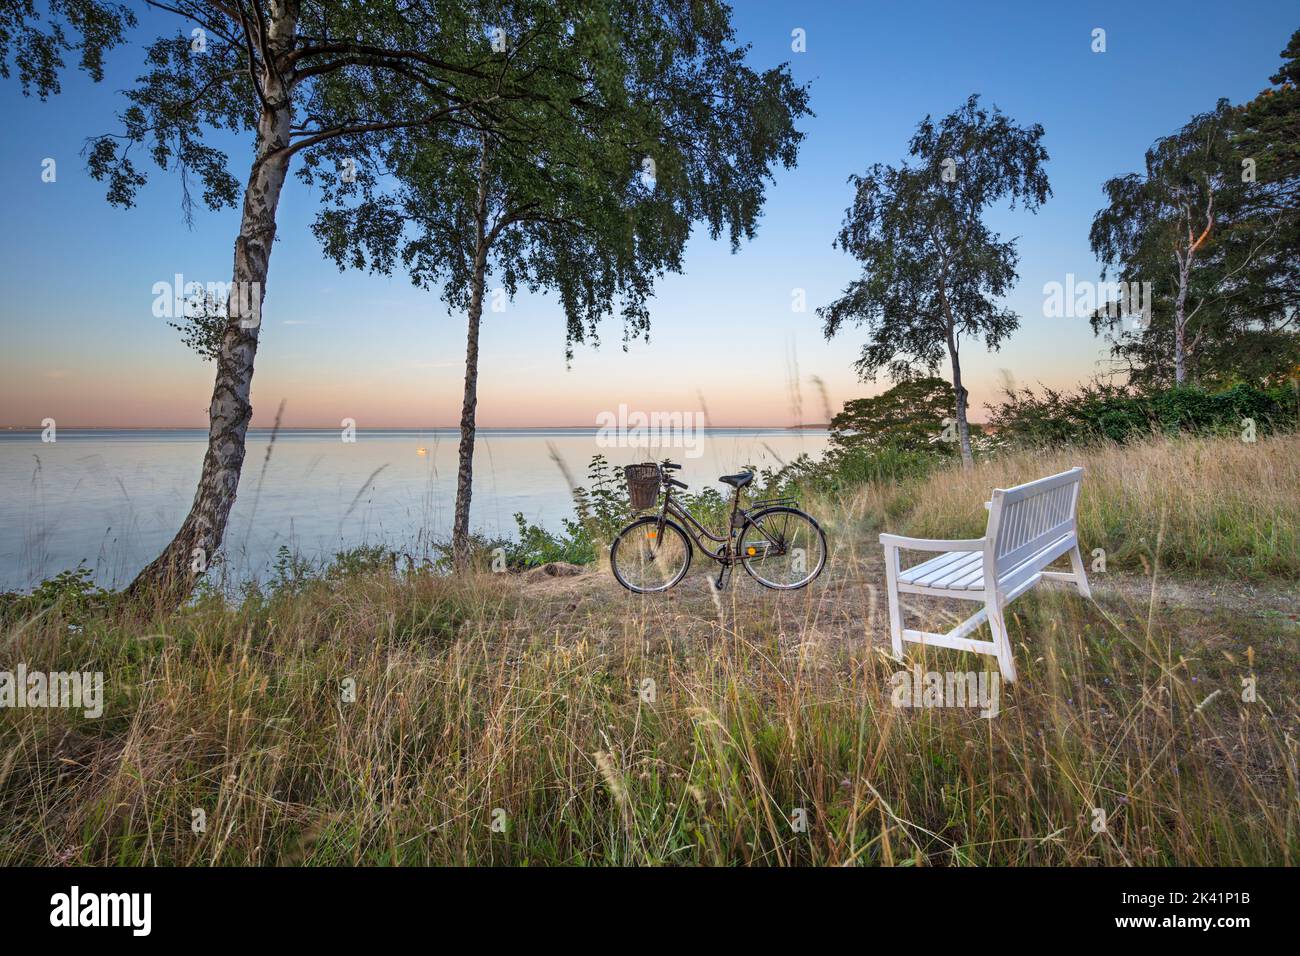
(932, 271)
(1213, 223)
(1159, 226)
(292, 77)
(644, 121)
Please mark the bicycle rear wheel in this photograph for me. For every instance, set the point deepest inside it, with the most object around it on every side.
(782, 548)
(646, 558)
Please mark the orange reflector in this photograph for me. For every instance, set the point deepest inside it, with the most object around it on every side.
(753, 551)
(652, 534)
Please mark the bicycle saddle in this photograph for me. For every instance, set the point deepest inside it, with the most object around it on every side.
(738, 481)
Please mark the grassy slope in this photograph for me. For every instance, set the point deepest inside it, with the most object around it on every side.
(493, 693)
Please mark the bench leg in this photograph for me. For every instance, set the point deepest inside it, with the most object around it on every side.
(895, 612)
(1080, 577)
(998, 625)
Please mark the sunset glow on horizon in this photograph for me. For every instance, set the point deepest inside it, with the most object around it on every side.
(82, 345)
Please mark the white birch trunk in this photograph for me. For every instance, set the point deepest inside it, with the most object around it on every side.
(171, 576)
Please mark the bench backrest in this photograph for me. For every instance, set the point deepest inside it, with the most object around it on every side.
(1027, 518)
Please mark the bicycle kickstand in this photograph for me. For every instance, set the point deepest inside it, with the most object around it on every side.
(724, 578)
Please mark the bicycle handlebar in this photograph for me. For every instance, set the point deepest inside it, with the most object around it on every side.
(675, 483)
(669, 464)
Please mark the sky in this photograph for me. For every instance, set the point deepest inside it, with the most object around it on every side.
(79, 341)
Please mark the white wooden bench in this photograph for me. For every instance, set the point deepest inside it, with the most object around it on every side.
(1030, 526)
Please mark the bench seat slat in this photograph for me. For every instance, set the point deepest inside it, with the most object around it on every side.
(933, 565)
(936, 563)
(973, 581)
(936, 571)
(955, 575)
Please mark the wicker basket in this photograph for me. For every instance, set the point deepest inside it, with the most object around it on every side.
(643, 485)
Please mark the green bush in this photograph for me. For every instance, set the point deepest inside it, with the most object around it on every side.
(603, 506)
(911, 416)
(537, 546)
(1124, 413)
(361, 560)
(73, 592)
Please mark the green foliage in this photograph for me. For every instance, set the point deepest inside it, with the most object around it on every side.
(1125, 413)
(69, 587)
(291, 572)
(72, 592)
(603, 506)
(202, 326)
(533, 547)
(711, 506)
(891, 438)
(1213, 224)
(37, 46)
(362, 560)
(356, 70)
(183, 97)
(1271, 132)
(589, 185)
(909, 416)
(537, 546)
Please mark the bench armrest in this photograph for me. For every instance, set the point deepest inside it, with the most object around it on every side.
(931, 544)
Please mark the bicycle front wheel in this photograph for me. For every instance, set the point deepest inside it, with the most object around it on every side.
(782, 548)
(647, 557)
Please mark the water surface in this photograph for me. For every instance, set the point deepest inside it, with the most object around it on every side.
(114, 498)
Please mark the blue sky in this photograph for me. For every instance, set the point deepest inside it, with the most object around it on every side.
(82, 345)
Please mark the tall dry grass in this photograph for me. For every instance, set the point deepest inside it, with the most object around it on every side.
(1213, 504)
(501, 722)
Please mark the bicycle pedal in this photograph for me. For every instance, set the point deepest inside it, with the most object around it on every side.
(724, 578)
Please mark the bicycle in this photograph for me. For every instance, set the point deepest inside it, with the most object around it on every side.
(778, 545)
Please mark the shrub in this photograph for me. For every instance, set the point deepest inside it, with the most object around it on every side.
(537, 546)
(1123, 413)
(73, 592)
(910, 416)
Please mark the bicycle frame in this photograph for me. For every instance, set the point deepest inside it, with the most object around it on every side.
(698, 533)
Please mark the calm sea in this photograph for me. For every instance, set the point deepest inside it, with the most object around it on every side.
(113, 499)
